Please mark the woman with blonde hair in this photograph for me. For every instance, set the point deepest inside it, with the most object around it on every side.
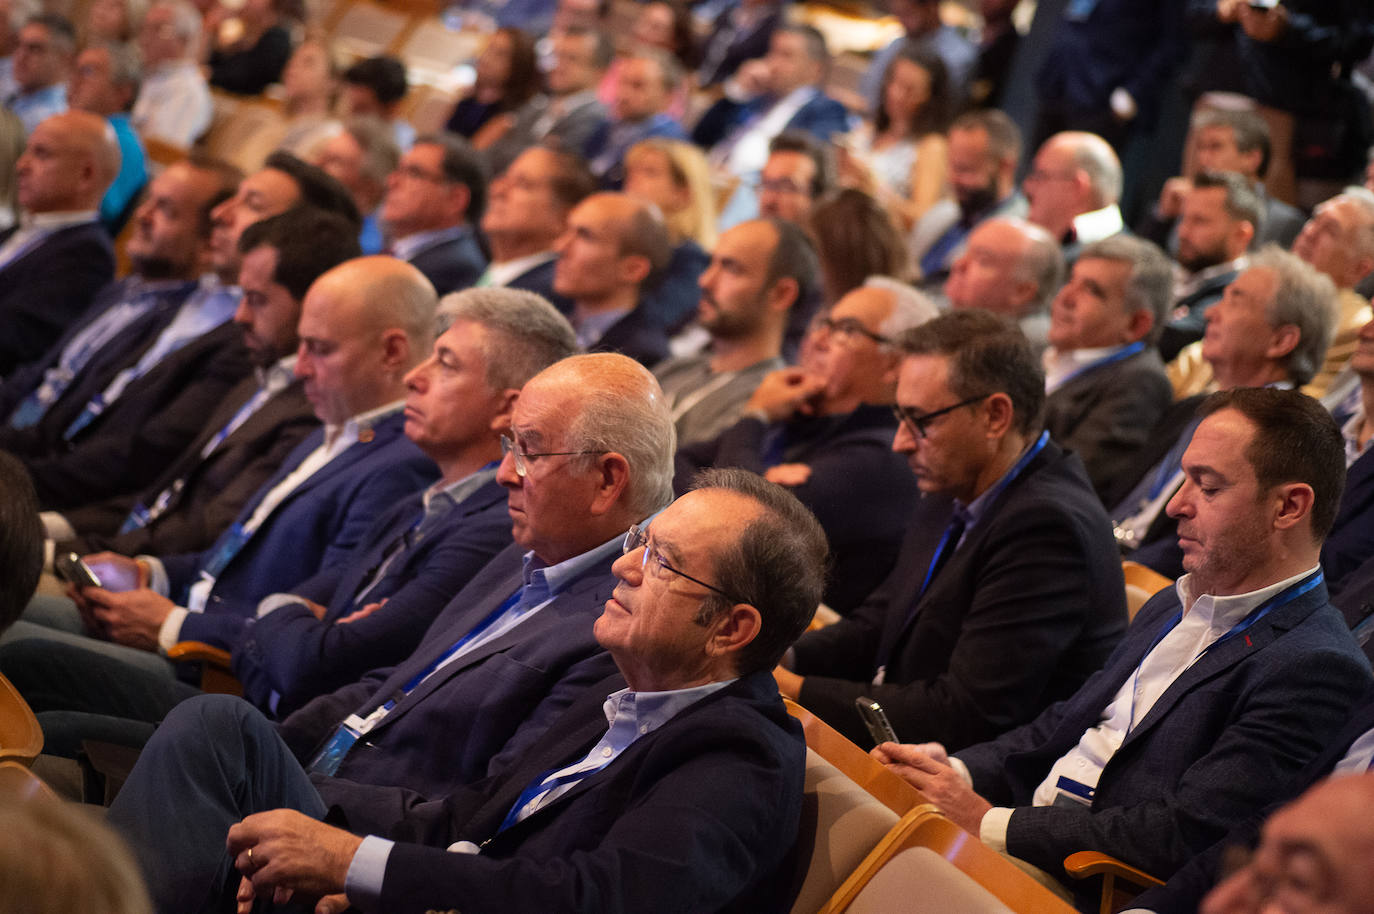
(674, 176)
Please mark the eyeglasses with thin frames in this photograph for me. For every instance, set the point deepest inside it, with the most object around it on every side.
(636, 538)
(848, 326)
(522, 457)
(919, 422)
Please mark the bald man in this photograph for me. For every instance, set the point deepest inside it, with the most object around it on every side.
(1073, 189)
(363, 326)
(54, 261)
(614, 249)
(1012, 267)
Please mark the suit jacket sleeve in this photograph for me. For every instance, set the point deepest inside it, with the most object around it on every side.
(1274, 732)
(379, 491)
(302, 656)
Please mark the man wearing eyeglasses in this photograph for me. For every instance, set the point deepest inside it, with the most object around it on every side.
(1007, 593)
(682, 791)
(824, 429)
(433, 198)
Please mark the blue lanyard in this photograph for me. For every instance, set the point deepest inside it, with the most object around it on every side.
(1282, 598)
(991, 494)
(1118, 356)
(543, 785)
(474, 632)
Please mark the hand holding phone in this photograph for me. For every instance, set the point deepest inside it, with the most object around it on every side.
(71, 569)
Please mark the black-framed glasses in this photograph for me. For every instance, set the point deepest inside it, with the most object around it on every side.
(849, 326)
(919, 422)
(510, 446)
(636, 538)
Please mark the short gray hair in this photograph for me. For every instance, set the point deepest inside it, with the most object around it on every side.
(1095, 156)
(910, 306)
(1150, 287)
(1306, 299)
(525, 334)
(185, 19)
(21, 11)
(623, 410)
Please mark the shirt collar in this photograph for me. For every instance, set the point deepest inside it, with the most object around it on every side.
(1098, 224)
(60, 220)
(638, 713)
(411, 246)
(1222, 613)
(1186, 284)
(555, 578)
(363, 420)
(500, 274)
(277, 375)
(455, 492)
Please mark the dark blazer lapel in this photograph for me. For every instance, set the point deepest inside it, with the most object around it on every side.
(436, 644)
(383, 433)
(1222, 657)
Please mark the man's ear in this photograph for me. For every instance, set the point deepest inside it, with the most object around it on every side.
(396, 350)
(633, 269)
(735, 628)
(1294, 502)
(615, 479)
(506, 410)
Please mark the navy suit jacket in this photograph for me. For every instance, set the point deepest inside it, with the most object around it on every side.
(1184, 892)
(138, 435)
(476, 702)
(452, 265)
(317, 525)
(1105, 414)
(860, 491)
(698, 815)
(46, 289)
(291, 652)
(821, 117)
(1216, 747)
(1351, 540)
(1024, 611)
(539, 280)
(636, 335)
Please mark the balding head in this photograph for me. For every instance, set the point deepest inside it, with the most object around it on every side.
(1073, 173)
(614, 246)
(68, 163)
(1339, 238)
(1009, 266)
(607, 442)
(364, 324)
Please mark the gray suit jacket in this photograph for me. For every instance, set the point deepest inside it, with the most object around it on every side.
(1105, 414)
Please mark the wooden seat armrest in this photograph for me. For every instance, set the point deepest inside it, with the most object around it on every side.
(1094, 863)
(199, 650)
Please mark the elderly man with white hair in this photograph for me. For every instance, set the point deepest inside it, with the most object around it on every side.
(824, 429)
(1073, 189)
(174, 104)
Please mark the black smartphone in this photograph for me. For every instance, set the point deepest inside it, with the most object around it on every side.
(875, 719)
(71, 569)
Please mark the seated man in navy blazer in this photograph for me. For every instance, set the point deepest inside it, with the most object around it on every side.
(363, 325)
(1222, 690)
(682, 791)
(1007, 593)
(589, 453)
(433, 199)
(55, 260)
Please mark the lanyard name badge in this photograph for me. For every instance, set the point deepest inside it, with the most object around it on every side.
(332, 753)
